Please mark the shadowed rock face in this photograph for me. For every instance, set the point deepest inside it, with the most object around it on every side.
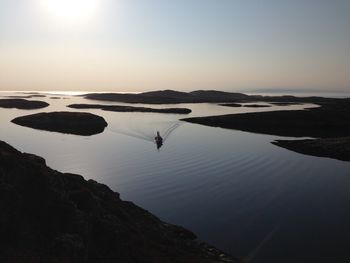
(50, 217)
(118, 108)
(22, 104)
(335, 148)
(78, 123)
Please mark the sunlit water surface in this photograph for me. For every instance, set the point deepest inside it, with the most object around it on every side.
(234, 189)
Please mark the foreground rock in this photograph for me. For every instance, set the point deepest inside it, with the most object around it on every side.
(22, 104)
(50, 217)
(336, 148)
(78, 123)
(117, 108)
(329, 120)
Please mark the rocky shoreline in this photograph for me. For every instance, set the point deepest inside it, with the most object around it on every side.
(48, 216)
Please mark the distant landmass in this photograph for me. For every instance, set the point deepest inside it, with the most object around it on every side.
(199, 96)
(119, 108)
(22, 104)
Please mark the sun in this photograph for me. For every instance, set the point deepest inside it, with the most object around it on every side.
(71, 12)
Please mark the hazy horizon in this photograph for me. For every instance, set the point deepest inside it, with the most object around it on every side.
(135, 46)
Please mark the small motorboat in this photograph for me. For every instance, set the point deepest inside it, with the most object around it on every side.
(159, 140)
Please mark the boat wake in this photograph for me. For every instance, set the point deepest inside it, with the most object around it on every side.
(147, 131)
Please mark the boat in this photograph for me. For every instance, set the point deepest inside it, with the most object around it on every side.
(159, 140)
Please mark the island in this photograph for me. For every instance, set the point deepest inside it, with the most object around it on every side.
(328, 124)
(61, 217)
(77, 123)
(198, 96)
(119, 108)
(257, 106)
(167, 97)
(22, 104)
(331, 119)
(335, 148)
(234, 105)
(286, 103)
(26, 96)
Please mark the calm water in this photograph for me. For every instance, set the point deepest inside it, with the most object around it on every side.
(234, 189)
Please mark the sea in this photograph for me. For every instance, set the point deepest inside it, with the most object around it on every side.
(235, 190)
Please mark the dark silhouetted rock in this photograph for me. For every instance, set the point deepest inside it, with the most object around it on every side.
(169, 97)
(235, 105)
(50, 217)
(78, 123)
(198, 96)
(257, 106)
(22, 104)
(335, 148)
(118, 108)
(286, 103)
(330, 120)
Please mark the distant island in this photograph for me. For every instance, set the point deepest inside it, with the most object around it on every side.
(257, 106)
(199, 96)
(119, 108)
(61, 217)
(330, 120)
(22, 104)
(77, 123)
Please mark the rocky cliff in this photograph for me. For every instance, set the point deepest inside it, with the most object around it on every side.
(48, 216)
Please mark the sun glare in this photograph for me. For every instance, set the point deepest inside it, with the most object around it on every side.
(72, 12)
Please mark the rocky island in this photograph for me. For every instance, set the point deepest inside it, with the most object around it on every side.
(257, 106)
(48, 216)
(330, 121)
(78, 123)
(336, 148)
(22, 104)
(198, 96)
(234, 105)
(169, 97)
(119, 108)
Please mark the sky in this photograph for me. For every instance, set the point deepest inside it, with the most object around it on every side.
(139, 45)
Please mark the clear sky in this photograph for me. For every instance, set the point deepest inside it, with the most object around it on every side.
(136, 45)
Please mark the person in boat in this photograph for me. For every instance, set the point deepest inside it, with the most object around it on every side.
(159, 140)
